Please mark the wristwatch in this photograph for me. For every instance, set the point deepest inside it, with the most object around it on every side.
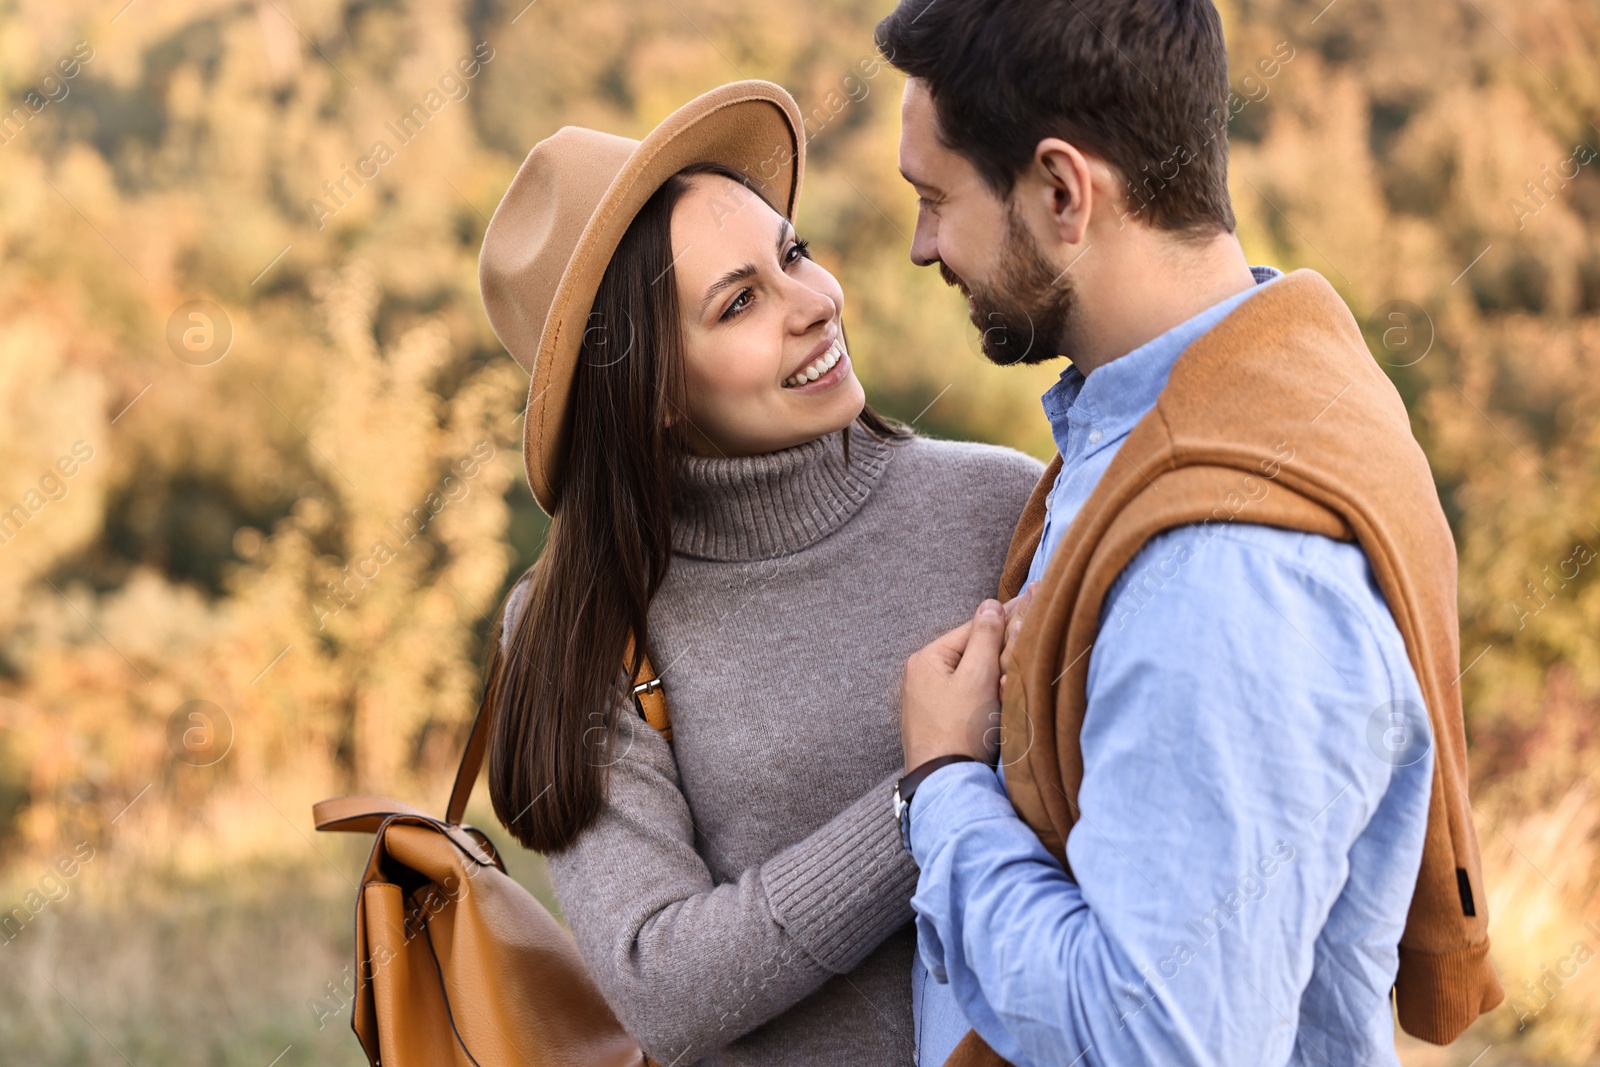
(907, 787)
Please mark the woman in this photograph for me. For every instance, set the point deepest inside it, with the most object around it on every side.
(719, 490)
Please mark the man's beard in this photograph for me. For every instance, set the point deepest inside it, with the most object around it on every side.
(1025, 317)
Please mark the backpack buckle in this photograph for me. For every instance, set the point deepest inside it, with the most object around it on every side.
(639, 691)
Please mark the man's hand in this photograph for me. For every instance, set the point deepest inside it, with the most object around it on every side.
(950, 695)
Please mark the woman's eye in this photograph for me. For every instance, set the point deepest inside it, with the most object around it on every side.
(797, 251)
(740, 302)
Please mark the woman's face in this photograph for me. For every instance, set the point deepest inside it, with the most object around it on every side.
(763, 347)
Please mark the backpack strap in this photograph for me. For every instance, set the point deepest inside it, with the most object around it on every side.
(649, 699)
(362, 814)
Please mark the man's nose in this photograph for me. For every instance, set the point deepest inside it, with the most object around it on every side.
(924, 246)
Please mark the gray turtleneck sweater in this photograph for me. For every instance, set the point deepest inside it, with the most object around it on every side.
(743, 897)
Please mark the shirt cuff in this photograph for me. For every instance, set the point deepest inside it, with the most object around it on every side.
(950, 798)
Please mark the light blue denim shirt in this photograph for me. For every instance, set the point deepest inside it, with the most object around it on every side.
(1257, 767)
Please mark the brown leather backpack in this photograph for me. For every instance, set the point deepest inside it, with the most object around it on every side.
(456, 963)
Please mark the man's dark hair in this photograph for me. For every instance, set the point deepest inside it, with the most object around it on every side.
(1142, 84)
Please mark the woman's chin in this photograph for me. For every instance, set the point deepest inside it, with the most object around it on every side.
(800, 418)
(825, 413)
(834, 409)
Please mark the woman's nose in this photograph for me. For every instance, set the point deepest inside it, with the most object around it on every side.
(809, 307)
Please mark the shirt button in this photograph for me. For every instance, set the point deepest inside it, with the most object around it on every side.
(1094, 437)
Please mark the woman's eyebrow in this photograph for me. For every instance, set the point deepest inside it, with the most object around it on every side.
(744, 273)
(733, 277)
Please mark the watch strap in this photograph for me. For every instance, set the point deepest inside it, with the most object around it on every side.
(906, 788)
(908, 785)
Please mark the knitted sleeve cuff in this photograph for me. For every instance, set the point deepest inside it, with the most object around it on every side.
(847, 886)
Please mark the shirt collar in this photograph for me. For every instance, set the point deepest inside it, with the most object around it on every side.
(1091, 412)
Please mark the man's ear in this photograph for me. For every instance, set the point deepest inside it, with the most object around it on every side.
(1066, 184)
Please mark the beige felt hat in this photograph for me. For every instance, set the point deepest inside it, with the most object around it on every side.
(559, 224)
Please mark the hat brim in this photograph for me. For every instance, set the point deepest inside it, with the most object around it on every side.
(754, 127)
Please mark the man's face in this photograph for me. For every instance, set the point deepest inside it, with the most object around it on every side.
(1021, 306)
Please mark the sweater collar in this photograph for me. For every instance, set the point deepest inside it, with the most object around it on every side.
(743, 508)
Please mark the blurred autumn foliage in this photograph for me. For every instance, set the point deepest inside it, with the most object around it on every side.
(262, 491)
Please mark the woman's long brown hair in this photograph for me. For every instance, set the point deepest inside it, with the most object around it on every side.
(557, 689)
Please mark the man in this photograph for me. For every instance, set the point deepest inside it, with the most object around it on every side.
(1230, 812)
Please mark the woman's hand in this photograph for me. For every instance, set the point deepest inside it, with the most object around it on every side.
(1016, 608)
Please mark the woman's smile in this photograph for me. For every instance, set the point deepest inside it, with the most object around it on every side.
(828, 369)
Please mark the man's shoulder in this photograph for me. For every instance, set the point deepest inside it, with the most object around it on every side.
(1240, 568)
